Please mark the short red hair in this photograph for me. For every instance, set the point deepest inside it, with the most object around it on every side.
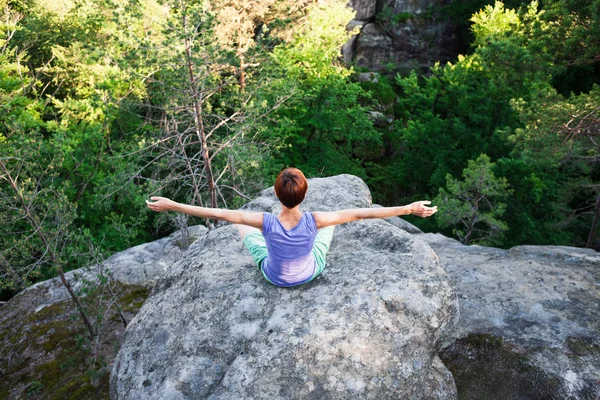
(291, 187)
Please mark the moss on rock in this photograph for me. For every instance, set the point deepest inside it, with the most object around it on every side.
(485, 367)
(51, 355)
(582, 346)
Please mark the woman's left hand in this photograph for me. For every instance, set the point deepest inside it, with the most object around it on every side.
(419, 209)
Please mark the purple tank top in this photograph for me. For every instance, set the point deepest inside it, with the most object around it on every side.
(290, 261)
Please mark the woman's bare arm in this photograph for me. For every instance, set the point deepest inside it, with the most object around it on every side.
(417, 208)
(253, 219)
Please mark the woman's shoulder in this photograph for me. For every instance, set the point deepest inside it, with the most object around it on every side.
(309, 218)
(267, 220)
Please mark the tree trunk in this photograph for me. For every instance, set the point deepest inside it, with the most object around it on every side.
(198, 121)
(242, 78)
(594, 228)
(80, 308)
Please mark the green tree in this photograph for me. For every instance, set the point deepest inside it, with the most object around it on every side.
(36, 217)
(474, 204)
(560, 139)
(463, 109)
(91, 96)
(322, 127)
(205, 116)
(571, 36)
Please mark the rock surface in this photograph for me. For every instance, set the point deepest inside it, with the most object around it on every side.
(529, 322)
(41, 355)
(369, 327)
(401, 35)
(529, 318)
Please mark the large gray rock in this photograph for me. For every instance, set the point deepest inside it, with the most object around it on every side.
(529, 320)
(365, 9)
(369, 327)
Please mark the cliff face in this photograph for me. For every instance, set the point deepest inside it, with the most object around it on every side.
(369, 327)
(400, 35)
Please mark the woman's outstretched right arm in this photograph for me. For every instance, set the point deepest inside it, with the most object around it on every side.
(254, 219)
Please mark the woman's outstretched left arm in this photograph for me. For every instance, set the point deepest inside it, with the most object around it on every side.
(418, 208)
(254, 219)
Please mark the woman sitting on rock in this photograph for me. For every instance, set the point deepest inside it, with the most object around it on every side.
(290, 248)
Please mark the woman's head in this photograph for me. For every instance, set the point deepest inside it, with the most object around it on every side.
(291, 187)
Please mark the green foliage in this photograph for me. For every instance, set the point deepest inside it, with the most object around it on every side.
(557, 145)
(460, 13)
(389, 17)
(69, 116)
(570, 36)
(463, 109)
(320, 125)
(472, 107)
(381, 92)
(492, 23)
(474, 204)
(459, 112)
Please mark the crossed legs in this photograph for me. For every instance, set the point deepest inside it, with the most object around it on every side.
(254, 241)
(244, 230)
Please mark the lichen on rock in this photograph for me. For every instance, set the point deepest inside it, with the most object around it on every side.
(44, 349)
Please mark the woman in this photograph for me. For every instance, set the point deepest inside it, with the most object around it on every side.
(290, 248)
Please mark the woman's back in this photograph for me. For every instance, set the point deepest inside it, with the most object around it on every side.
(290, 260)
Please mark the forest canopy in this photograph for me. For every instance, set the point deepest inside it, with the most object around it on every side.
(105, 103)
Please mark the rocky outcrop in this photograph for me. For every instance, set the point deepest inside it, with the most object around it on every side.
(397, 36)
(529, 322)
(43, 352)
(369, 327)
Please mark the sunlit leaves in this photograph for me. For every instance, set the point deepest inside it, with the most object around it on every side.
(494, 22)
(321, 125)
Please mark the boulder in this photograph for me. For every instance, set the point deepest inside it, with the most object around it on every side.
(369, 327)
(529, 322)
(365, 9)
(373, 48)
(144, 264)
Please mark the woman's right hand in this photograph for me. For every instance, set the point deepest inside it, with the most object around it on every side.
(160, 204)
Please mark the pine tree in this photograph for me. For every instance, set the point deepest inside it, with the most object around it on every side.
(474, 204)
